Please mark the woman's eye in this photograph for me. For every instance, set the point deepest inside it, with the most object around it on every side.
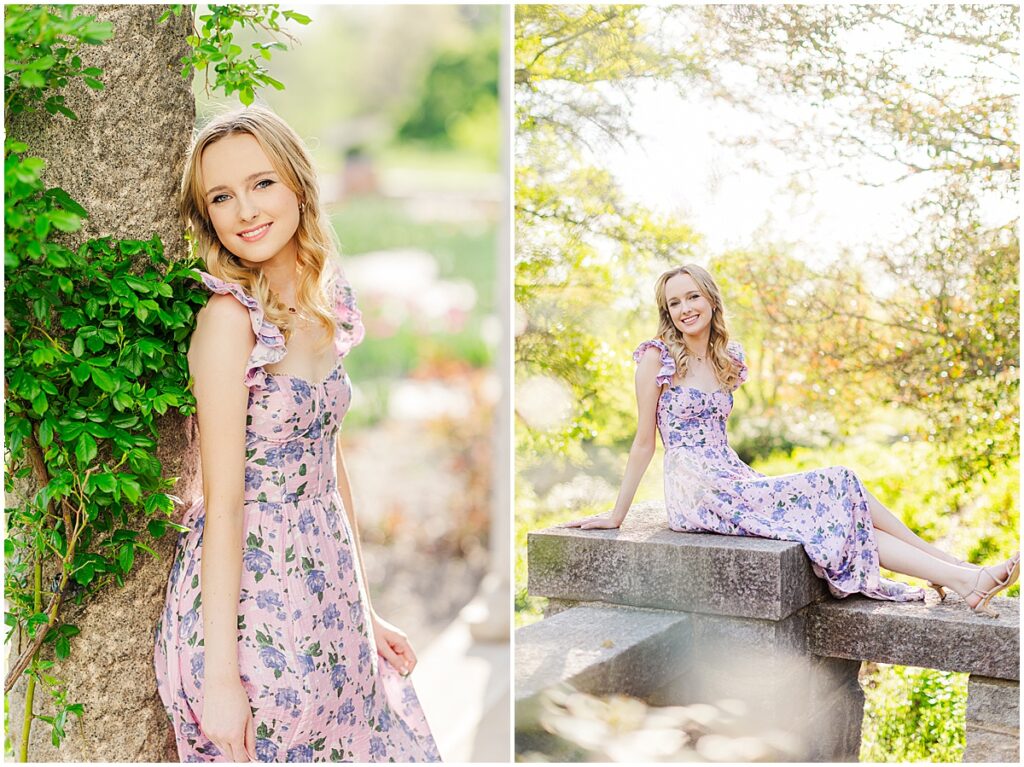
(264, 183)
(219, 198)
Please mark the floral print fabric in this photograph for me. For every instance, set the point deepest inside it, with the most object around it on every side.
(318, 689)
(708, 488)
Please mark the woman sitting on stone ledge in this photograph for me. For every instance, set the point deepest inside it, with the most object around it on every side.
(684, 383)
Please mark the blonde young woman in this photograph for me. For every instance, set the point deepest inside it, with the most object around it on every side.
(268, 647)
(684, 383)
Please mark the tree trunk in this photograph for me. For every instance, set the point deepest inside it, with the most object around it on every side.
(122, 160)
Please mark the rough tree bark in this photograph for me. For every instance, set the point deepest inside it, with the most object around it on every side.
(122, 159)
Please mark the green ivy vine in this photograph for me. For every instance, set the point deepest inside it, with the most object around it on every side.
(96, 337)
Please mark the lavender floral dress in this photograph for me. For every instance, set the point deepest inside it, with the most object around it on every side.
(708, 488)
(318, 689)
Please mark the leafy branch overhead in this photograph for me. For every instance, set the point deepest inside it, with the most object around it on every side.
(214, 48)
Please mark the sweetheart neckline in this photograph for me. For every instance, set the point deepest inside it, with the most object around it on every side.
(328, 377)
(694, 388)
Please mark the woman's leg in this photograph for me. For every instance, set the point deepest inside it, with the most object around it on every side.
(899, 556)
(886, 521)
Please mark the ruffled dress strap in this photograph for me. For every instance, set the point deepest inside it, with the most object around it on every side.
(349, 329)
(668, 363)
(270, 345)
(735, 350)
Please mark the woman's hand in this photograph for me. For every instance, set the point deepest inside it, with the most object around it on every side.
(393, 645)
(606, 521)
(227, 719)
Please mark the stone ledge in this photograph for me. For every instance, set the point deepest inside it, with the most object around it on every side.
(944, 635)
(645, 564)
(599, 650)
(993, 704)
(983, 746)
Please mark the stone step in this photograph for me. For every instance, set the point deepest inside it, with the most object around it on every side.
(644, 564)
(944, 635)
(598, 649)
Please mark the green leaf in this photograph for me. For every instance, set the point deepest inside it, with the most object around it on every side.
(56, 257)
(34, 620)
(139, 286)
(65, 220)
(39, 403)
(131, 489)
(80, 373)
(42, 227)
(104, 380)
(126, 557)
(32, 79)
(45, 433)
(97, 32)
(62, 648)
(43, 62)
(66, 201)
(106, 481)
(85, 449)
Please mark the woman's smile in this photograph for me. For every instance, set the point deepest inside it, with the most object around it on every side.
(256, 233)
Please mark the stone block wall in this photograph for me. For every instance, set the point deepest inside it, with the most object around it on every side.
(993, 720)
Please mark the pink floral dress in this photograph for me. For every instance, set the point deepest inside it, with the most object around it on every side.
(318, 689)
(708, 488)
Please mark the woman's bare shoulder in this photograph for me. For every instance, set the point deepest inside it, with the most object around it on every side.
(222, 326)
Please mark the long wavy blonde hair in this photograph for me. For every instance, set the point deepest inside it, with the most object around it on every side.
(314, 238)
(726, 370)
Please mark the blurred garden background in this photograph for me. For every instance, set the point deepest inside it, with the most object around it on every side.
(399, 106)
(849, 175)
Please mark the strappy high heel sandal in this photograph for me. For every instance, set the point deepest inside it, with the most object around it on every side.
(1008, 579)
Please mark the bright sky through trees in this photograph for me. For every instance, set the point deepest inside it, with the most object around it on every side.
(684, 161)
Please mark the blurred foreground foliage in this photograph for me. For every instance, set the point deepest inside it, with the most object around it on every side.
(912, 714)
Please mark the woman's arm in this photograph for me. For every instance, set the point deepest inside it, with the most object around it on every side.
(391, 642)
(218, 354)
(640, 454)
